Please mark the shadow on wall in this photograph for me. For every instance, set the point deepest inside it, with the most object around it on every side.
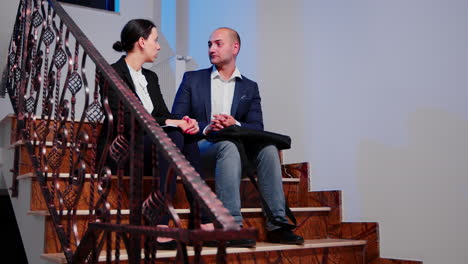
(419, 192)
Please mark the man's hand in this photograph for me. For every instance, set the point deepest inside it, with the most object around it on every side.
(226, 120)
(219, 122)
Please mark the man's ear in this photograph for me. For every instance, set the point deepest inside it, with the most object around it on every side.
(236, 48)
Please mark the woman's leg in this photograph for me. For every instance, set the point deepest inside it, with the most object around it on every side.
(178, 138)
(189, 147)
(192, 154)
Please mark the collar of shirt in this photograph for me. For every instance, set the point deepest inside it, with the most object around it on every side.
(140, 83)
(215, 74)
(138, 75)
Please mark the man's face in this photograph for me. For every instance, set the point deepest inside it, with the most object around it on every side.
(221, 47)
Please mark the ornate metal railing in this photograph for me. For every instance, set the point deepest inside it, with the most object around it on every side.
(59, 115)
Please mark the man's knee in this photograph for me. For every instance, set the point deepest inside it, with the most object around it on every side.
(270, 151)
(227, 149)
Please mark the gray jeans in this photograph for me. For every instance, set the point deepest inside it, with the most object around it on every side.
(223, 159)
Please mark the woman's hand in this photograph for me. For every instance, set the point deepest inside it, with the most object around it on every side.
(191, 125)
(186, 124)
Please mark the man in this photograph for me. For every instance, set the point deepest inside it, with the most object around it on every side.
(219, 97)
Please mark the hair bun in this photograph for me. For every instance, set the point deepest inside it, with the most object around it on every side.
(118, 46)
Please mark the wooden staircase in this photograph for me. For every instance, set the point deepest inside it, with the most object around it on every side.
(319, 217)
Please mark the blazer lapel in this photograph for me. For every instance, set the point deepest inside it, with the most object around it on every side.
(238, 91)
(122, 67)
(206, 92)
(151, 86)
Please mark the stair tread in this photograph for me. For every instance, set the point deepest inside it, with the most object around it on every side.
(47, 144)
(87, 176)
(186, 211)
(260, 247)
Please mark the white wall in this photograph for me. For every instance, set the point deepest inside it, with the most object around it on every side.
(388, 117)
(8, 10)
(389, 78)
(373, 94)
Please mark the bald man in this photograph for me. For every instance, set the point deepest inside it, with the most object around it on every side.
(219, 97)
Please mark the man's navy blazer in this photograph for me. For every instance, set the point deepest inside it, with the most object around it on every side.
(194, 99)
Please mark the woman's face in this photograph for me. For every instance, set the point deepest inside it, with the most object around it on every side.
(151, 46)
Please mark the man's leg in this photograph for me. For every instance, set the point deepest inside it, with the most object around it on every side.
(271, 184)
(223, 158)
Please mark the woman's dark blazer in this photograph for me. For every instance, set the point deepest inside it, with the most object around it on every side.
(160, 111)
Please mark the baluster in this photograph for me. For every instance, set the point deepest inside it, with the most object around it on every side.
(94, 115)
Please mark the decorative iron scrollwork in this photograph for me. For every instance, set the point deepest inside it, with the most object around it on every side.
(37, 19)
(60, 58)
(48, 36)
(94, 113)
(74, 83)
(118, 150)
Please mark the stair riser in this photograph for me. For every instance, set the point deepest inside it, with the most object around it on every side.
(360, 231)
(311, 225)
(86, 127)
(336, 255)
(250, 197)
(25, 164)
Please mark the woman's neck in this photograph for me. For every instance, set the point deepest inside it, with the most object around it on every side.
(134, 61)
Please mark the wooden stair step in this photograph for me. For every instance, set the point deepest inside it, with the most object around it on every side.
(394, 261)
(86, 126)
(311, 223)
(47, 144)
(187, 211)
(25, 164)
(249, 196)
(30, 175)
(260, 247)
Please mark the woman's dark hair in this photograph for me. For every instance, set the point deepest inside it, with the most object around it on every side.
(132, 32)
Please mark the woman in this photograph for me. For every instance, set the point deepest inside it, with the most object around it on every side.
(139, 40)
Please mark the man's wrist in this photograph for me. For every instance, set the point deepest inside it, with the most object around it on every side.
(205, 130)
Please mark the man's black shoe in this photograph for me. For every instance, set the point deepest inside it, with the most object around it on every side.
(241, 243)
(284, 236)
(232, 243)
(169, 245)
